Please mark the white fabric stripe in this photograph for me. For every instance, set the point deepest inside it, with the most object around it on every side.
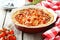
(47, 32)
(50, 33)
(58, 21)
(56, 29)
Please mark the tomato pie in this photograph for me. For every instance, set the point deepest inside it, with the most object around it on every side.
(32, 17)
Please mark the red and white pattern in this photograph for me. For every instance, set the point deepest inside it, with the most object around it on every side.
(53, 33)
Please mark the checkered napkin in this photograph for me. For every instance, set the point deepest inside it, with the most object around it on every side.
(53, 33)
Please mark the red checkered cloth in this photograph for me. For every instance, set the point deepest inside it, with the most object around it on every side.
(53, 33)
(56, 38)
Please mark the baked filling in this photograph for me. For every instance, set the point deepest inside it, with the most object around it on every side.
(32, 17)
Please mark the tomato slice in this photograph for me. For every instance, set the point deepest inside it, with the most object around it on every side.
(7, 34)
(11, 37)
(2, 34)
(11, 32)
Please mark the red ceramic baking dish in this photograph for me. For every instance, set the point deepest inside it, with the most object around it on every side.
(33, 19)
